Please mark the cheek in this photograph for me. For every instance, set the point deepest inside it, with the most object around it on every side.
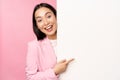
(53, 20)
(55, 23)
(40, 26)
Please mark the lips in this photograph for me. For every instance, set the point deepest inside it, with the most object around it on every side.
(49, 28)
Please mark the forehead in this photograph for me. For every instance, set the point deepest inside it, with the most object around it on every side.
(42, 11)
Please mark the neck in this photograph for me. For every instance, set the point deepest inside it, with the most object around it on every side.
(52, 37)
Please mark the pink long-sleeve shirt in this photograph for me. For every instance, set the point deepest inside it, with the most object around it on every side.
(41, 59)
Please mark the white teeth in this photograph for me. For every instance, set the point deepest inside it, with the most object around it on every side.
(48, 27)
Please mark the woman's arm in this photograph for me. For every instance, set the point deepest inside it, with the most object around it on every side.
(32, 66)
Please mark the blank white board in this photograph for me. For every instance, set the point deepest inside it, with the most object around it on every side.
(89, 31)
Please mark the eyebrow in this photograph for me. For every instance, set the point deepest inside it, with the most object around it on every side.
(45, 14)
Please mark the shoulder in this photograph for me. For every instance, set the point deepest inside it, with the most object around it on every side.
(33, 42)
(33, 46)
(36, 42)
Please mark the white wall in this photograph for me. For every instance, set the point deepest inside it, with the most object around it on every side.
(89, 31)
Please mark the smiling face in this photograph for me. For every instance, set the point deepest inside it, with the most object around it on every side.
(46, 22)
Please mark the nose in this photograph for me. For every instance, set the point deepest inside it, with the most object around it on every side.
(46, 22)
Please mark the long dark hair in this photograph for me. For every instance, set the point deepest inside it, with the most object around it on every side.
(40, 35)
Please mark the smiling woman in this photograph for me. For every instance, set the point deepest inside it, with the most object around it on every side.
(41, 57)
(46, 22)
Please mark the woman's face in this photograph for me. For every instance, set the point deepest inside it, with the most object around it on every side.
(46, 22)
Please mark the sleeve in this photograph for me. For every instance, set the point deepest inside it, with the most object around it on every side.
(32, 72)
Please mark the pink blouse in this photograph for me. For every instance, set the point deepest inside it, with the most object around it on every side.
(40, 61)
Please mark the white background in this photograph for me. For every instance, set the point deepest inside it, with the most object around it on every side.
(89, 31)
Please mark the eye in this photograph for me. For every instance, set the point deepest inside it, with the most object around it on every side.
(49, 16)
(39, 20)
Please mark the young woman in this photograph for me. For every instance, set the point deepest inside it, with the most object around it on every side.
(41, 57)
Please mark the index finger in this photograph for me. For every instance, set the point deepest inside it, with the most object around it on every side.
(69, 61)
